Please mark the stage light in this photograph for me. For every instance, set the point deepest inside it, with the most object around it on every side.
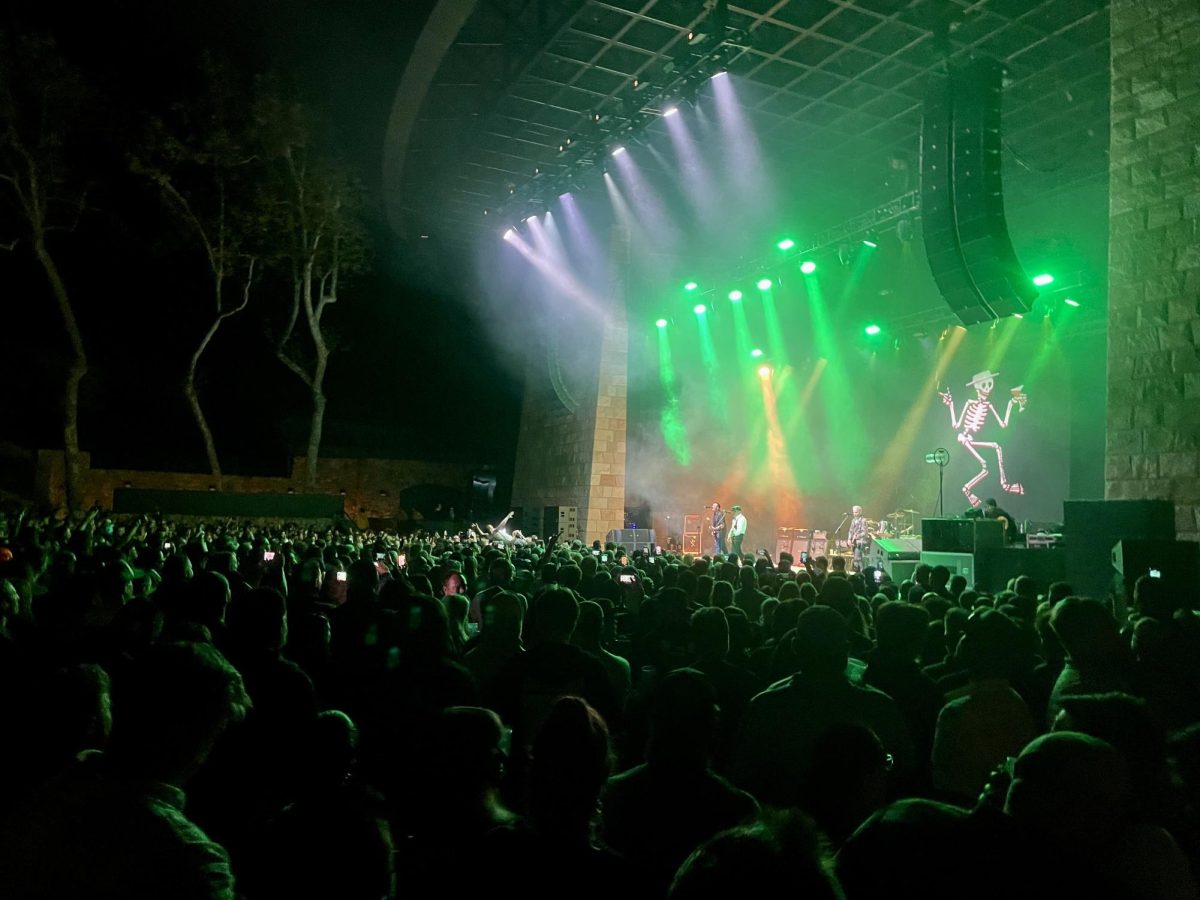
(699, 309)
(1043, 280)
(867, 242)
(1071, 302)
(690, 286)
(661, 323)
(510, 234)
(872, 330)
(1018, 316)
(764, 284)
(720, 72)
(670, 111)
(764, 371)
(808, 267)
(735, 296)
(786, 244)
(618, 150)
(756, 353)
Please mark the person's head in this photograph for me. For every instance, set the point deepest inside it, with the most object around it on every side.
(1127, 723)
(921, 575)
(469, 747)
(748, 578)
(333, 748)
(735, 509)
(570, 576)
(453, 583)
(716, 506)
(424, 628)
(710, 633)
(1086, 629)
(362, 581)
(208, 600)
(821, 642)
(958, 584)
(856, 510)
(258, 620)
(989, 506)
(501, 571)
(848, 779)
(1070, 790)
(722, 595)
(901, 630)
(991, 646)
(169, 707)
(555, 613)
(683, 719)
(570, 764)
(939, 577)
(1152, 597)
(782, 856)
(590, 626)
(501, 616)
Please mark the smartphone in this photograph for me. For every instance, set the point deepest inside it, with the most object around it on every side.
(762, 552)
(167, 545)
(603, 557)
(379, 556)
(658, 549)
(803, 556)
(595, 552)
(627, 579)
(341, 576)
(878, 575)
(401, 560)
(1155, 573)
(268, 556)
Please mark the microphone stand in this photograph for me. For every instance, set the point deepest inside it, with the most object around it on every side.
(839, 528)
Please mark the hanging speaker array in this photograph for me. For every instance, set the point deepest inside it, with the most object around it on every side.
(962, 198)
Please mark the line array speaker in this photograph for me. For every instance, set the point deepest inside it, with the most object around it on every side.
(962, 200)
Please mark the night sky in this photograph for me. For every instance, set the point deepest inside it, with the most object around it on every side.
(413, 358)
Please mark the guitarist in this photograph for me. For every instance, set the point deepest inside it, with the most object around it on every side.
(718, 529)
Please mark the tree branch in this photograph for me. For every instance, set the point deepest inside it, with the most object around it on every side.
(294, 366)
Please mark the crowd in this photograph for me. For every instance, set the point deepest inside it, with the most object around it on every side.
(231, 709)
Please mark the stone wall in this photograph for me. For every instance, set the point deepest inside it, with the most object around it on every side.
(571, 445)
(1153, 447)
(372, 487)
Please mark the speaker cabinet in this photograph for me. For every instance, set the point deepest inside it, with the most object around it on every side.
(962, 202)
(1091, 528)
(1177, 563)
(819, 545)
(948, 535)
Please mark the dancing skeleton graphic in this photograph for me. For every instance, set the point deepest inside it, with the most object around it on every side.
(972, 418)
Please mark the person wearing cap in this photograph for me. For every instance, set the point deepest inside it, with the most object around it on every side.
(737, 532)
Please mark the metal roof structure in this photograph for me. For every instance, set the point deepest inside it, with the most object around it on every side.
(483, 117)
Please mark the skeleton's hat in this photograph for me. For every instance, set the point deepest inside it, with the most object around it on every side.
(982, 376)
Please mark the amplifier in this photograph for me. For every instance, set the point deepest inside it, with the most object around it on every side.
(820, 543)
(884, 549)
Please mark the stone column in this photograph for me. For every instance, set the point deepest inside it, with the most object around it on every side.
(1153, 449)
(571, 446)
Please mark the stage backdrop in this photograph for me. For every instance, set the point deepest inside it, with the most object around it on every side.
(827, 417)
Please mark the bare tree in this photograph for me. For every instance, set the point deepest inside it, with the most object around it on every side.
(42, 101)
(202, 162)
(317, 220)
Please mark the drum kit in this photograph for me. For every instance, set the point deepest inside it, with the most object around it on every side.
(897, 524)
